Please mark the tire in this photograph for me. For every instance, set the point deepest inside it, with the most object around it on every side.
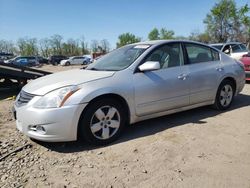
(67, 63)
(225, 95)
(102, 122)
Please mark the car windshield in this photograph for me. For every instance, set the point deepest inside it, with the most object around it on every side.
(119, 59)
(219, 47)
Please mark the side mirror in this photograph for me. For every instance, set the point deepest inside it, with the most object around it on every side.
(149, 66)
(227, 51)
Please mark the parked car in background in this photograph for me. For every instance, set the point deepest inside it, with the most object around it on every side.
(55, 59)
(130, 84)
(235, 49)
(246, 61)
(75, 60)
(89, 59)
(24, 61)
(42, 60)
(5, 56)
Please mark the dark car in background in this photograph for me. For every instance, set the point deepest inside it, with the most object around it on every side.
(42, 60)
(5, 56)
(55, 59)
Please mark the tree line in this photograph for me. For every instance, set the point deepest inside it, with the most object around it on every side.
(224, 22)
(54, 45)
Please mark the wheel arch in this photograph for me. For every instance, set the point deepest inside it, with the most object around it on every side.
(114, 96)
(231, 79)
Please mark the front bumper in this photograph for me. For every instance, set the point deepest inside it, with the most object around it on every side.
(59, 124)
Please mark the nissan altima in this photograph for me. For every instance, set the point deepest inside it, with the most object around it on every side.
(130, 84)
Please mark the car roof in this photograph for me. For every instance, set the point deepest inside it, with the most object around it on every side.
(158, 42)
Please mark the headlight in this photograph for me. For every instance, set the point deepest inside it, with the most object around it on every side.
(57, 98)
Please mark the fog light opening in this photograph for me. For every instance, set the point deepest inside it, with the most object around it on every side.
(38, 128)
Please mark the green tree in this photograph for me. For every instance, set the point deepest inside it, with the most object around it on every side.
(127, 38)
(166, 34)
(200, 37)
(163, 33)
(245, 20)
(154, 34)
(226, 22)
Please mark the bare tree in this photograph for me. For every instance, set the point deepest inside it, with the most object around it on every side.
(94, 46)
(84, 46)
(56, 44)
(44, 45)
(27, 46)
(105, 46)
(7, 46)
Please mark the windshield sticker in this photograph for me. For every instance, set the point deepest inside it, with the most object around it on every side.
(142, 46)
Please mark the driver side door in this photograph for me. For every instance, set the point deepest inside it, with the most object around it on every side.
(163, 89)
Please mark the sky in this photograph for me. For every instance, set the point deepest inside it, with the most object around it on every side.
(101, 19)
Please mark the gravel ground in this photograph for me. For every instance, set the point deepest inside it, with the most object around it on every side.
(196, 148)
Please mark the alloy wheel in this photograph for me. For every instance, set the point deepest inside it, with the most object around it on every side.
(226, 95)
(105, 122)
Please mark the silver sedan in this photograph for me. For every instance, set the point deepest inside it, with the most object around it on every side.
(130, 84)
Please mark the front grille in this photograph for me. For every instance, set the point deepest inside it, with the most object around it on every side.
(24, 98)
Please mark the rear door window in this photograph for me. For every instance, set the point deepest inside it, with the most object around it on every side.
(198, 53)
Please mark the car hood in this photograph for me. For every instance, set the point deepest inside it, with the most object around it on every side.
(45, 84)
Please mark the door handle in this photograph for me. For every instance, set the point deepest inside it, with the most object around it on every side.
(220, 69)
(182, 76)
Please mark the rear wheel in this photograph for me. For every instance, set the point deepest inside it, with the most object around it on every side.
(102, 122)
(225, 95)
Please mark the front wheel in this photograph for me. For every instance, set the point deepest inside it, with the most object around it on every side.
(225, 95)
(102, 122)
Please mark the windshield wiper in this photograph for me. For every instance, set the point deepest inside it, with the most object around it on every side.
(94, 69)
(101, 69)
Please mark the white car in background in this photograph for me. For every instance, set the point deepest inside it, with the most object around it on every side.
(234, 49)
(75, 60)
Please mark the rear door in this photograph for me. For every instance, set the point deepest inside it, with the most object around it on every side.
(205, 70)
